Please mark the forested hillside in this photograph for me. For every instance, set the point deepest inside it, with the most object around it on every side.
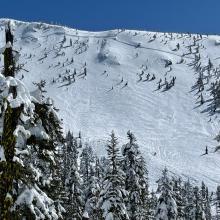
(110, 125)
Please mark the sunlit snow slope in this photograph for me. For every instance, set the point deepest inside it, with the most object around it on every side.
(109, 90)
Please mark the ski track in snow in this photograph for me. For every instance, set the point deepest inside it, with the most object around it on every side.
(166, 123)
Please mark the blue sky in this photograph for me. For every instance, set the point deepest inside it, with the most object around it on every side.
(199, 16)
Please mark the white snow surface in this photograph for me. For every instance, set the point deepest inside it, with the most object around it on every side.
(170, 124)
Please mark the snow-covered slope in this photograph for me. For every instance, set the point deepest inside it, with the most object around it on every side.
(111, 90)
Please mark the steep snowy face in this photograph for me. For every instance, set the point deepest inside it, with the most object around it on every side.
(149, 83)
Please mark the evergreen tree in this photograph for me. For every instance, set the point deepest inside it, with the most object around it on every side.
(152, 205)
(87, 159)
(178, 193)
(29, 147)
(166, 208)
(113, 193)
(73, 183)
(194, 209)
(75, 204)
(217, 203)
(136, 182)
(92, 199)
(188, 194)
(198, 211)
(98, 170)
(205, 197)
(103, 166)
(70, 154)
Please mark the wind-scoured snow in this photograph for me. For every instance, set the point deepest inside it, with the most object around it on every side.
(110, 91)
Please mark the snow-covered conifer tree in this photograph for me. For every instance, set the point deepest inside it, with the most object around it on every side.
(166, 208)
(87, 159)
(194, 208)
(93, 191)
(30, 133)
(205, 197)
(188, 195)
(113, 193)
(178, 193)
(152, 205)
(198, 211)
(73, 203)
(217, 203)
(136, 182)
